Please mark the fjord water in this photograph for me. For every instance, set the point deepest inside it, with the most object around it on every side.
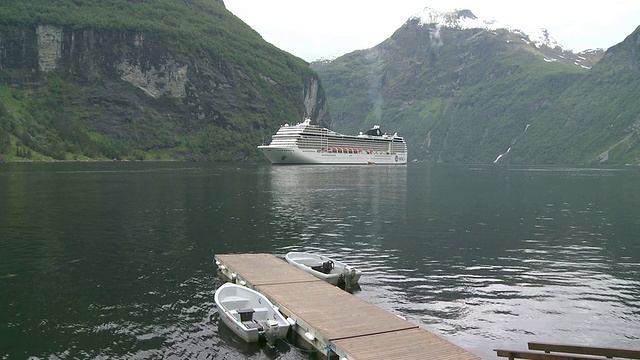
(114, 260)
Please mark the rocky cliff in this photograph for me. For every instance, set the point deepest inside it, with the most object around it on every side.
(126, 90)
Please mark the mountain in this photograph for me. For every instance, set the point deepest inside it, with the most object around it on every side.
(597, 120)
(540, 38)
(465, 90)
(160, 79)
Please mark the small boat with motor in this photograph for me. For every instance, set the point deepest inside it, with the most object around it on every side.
(249, 314)
(332, 271)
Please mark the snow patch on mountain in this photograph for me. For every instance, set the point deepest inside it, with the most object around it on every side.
(463, 19)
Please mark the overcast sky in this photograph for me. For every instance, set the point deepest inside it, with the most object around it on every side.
(330, 28)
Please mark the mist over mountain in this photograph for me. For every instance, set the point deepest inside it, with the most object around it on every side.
(461, 89)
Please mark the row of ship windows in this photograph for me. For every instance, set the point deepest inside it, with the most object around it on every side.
(295, 135)
(350, 150)
(337, 150)
(312, 143)
(316, 143)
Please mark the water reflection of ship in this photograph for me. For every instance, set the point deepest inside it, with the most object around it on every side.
(333, 200)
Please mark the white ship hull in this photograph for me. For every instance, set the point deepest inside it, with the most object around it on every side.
(311, 144)
(294, 155)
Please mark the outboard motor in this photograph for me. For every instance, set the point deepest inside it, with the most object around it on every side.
(348, 274)
(271, 331)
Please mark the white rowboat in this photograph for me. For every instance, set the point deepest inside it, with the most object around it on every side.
(325, 268)
(249, 314)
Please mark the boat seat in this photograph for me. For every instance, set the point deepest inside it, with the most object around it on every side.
(235, 303)
(252, 325)
(325, 268)
(260, 314)
(246, 314)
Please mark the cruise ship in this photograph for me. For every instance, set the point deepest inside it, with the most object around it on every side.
(306, 143)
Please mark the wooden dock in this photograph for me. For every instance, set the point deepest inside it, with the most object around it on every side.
(339, 322)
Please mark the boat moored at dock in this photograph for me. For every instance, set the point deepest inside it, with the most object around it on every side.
(325, 268)
(335, 322)
(249, 314)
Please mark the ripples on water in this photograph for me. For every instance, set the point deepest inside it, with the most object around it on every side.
(542, 262)
(114, 261)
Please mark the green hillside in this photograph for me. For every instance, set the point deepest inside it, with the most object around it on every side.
(153, 79)
(597, 120)
(471, 95)
(159, 79)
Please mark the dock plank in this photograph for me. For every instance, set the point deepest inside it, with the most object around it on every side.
(261, 269)
(413, 344)
(333, 311)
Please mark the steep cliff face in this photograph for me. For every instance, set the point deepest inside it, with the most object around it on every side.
(315, 102)
(150, 92)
